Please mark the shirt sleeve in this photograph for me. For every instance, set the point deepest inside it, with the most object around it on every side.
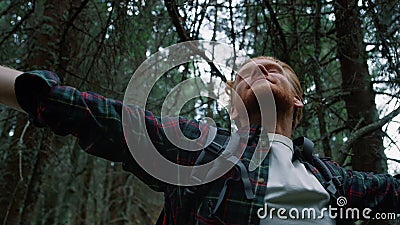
(97, 121)
(379, 192)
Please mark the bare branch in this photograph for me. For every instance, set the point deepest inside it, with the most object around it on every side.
(274, 19)
(362, 131)
(184, 35)
(99, 47)
(394, 160)
(391, 141)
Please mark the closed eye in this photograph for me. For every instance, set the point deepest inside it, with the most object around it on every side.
(272, 68)
(273, 71)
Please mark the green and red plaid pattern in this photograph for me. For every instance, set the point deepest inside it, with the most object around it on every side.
(96, 122)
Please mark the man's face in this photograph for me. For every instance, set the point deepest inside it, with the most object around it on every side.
(256, 81)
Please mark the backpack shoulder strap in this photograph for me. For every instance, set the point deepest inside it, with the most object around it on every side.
(218, 139)
(333, 183)
(304, 149)
(225, 144)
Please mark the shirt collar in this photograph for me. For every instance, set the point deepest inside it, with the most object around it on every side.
(281, 139)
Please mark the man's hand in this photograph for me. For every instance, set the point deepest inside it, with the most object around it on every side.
(7, 92)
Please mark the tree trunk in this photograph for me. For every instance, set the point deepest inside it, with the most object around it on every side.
(84, 210)
(16, 171)
(43, 54)
(316, 67)
(117, 199)
(35, 183)
(368, 153)
(107, 194)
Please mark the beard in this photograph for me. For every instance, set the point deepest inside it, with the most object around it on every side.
(271, 98)
(283, 100)
(262, 105)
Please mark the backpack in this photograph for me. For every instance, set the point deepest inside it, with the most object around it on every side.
(303, 150)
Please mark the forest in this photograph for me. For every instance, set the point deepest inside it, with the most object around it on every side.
(346, 54)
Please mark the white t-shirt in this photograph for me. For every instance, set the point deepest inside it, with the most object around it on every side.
(294, 195)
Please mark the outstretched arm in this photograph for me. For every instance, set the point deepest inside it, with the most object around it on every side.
(7, 92)
(97, 122)
(88, 116)
(380, 192)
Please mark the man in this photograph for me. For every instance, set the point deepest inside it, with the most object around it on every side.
(284, 186)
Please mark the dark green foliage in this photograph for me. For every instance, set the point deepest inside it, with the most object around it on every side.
(97, 46)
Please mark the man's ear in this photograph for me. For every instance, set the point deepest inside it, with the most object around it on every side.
(298, 103)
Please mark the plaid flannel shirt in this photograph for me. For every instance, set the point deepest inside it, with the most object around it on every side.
(96, 122)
